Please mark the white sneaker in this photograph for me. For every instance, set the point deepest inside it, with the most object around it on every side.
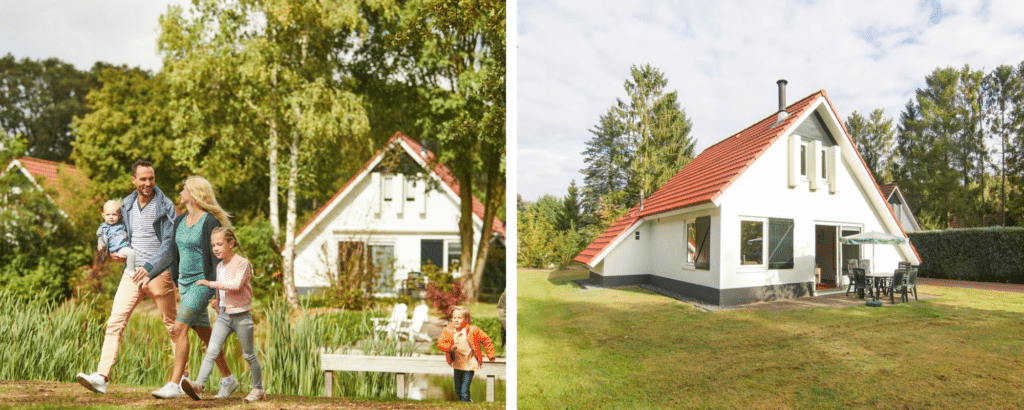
(190, 388)
(227, 386)
(169, 391)
(254, 395)
(94, 382)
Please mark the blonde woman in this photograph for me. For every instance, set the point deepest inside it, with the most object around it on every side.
(191, 259)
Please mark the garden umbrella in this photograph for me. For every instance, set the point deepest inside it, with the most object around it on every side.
(873, 238)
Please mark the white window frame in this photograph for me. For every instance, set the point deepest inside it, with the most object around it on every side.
(824, 164)
(805, 164)
(387, 187)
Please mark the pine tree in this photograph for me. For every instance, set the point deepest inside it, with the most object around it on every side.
(875, 139)
(1003, 94)
(639, 143)
(607, 158)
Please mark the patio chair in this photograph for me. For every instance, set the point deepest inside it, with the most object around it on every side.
(860, 283)
(850, 264)
(897, 285)
(912, 281)
(415, 331)
(866, 265)
(391, 324)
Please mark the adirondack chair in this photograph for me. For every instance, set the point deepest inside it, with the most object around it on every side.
(414, 331)
(392, 324)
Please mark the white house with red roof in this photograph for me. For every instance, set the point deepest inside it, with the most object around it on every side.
(398, 212)
(51, 172)
(751, 217)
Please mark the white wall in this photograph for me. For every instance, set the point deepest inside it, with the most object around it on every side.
(668, 249)
(631, 256)
(763, 191)
(360, 215)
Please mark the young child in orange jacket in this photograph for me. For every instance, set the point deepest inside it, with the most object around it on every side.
(461, 341)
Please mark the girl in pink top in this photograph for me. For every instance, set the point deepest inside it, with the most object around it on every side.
(233, 302)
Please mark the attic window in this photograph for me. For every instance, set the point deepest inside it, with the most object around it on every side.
(824, 163)
(388, 188)
(803, 159)
(638, 235)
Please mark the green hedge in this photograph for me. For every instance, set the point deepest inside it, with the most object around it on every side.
(976, 254)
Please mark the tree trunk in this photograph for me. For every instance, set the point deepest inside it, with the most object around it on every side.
(465, 178)
(494, 195)
(289, 245)
(275, 212)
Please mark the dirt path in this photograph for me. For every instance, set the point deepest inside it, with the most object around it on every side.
(55, 395)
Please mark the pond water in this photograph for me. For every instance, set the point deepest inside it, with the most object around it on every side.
(435, 387)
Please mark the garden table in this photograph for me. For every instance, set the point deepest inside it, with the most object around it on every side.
(880, 281)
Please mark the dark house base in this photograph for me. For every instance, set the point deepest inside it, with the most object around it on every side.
(720, 297)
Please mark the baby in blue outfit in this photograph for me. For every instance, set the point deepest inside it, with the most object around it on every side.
(112, 235)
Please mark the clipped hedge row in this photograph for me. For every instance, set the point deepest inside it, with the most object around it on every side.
(994, 254)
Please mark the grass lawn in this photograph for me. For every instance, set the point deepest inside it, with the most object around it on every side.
(630, 348)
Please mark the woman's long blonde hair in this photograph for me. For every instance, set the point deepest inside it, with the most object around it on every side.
(202, 194)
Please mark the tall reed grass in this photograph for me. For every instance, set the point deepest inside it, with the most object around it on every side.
(40, 340)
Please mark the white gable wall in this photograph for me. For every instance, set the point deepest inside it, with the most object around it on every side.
(361, 215)
(631, 256)
(763, 192)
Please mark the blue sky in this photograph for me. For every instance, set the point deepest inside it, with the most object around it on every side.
(724, 58)
(83, 32)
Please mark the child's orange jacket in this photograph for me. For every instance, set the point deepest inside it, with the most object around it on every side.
(475, 337)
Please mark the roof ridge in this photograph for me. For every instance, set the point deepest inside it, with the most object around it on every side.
(765, 118)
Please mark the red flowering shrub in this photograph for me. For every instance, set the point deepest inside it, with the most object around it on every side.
(443, 290)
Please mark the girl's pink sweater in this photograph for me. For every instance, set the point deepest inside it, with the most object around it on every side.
(235, 284)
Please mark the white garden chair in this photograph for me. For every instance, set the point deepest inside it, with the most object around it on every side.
(393, 324)
(414, 331)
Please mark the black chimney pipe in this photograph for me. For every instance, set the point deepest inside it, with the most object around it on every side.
(782, 94)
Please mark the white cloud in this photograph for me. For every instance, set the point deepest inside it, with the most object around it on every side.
(82, 33)
(724, 59)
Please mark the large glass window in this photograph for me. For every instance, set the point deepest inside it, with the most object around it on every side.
(780, 243)
(751, 242)
(454, 254)
(703, 243)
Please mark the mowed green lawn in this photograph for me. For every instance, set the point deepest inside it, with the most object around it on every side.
(629, 348)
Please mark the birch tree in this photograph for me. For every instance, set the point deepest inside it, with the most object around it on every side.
(277, 63)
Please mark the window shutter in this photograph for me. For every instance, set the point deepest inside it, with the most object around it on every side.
(794, 158)
(833, 169)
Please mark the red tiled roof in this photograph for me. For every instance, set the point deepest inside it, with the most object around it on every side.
(609, 236)
(887, 190)
(714, 170)
(707, 176)
(428, 157)
(49, 170)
